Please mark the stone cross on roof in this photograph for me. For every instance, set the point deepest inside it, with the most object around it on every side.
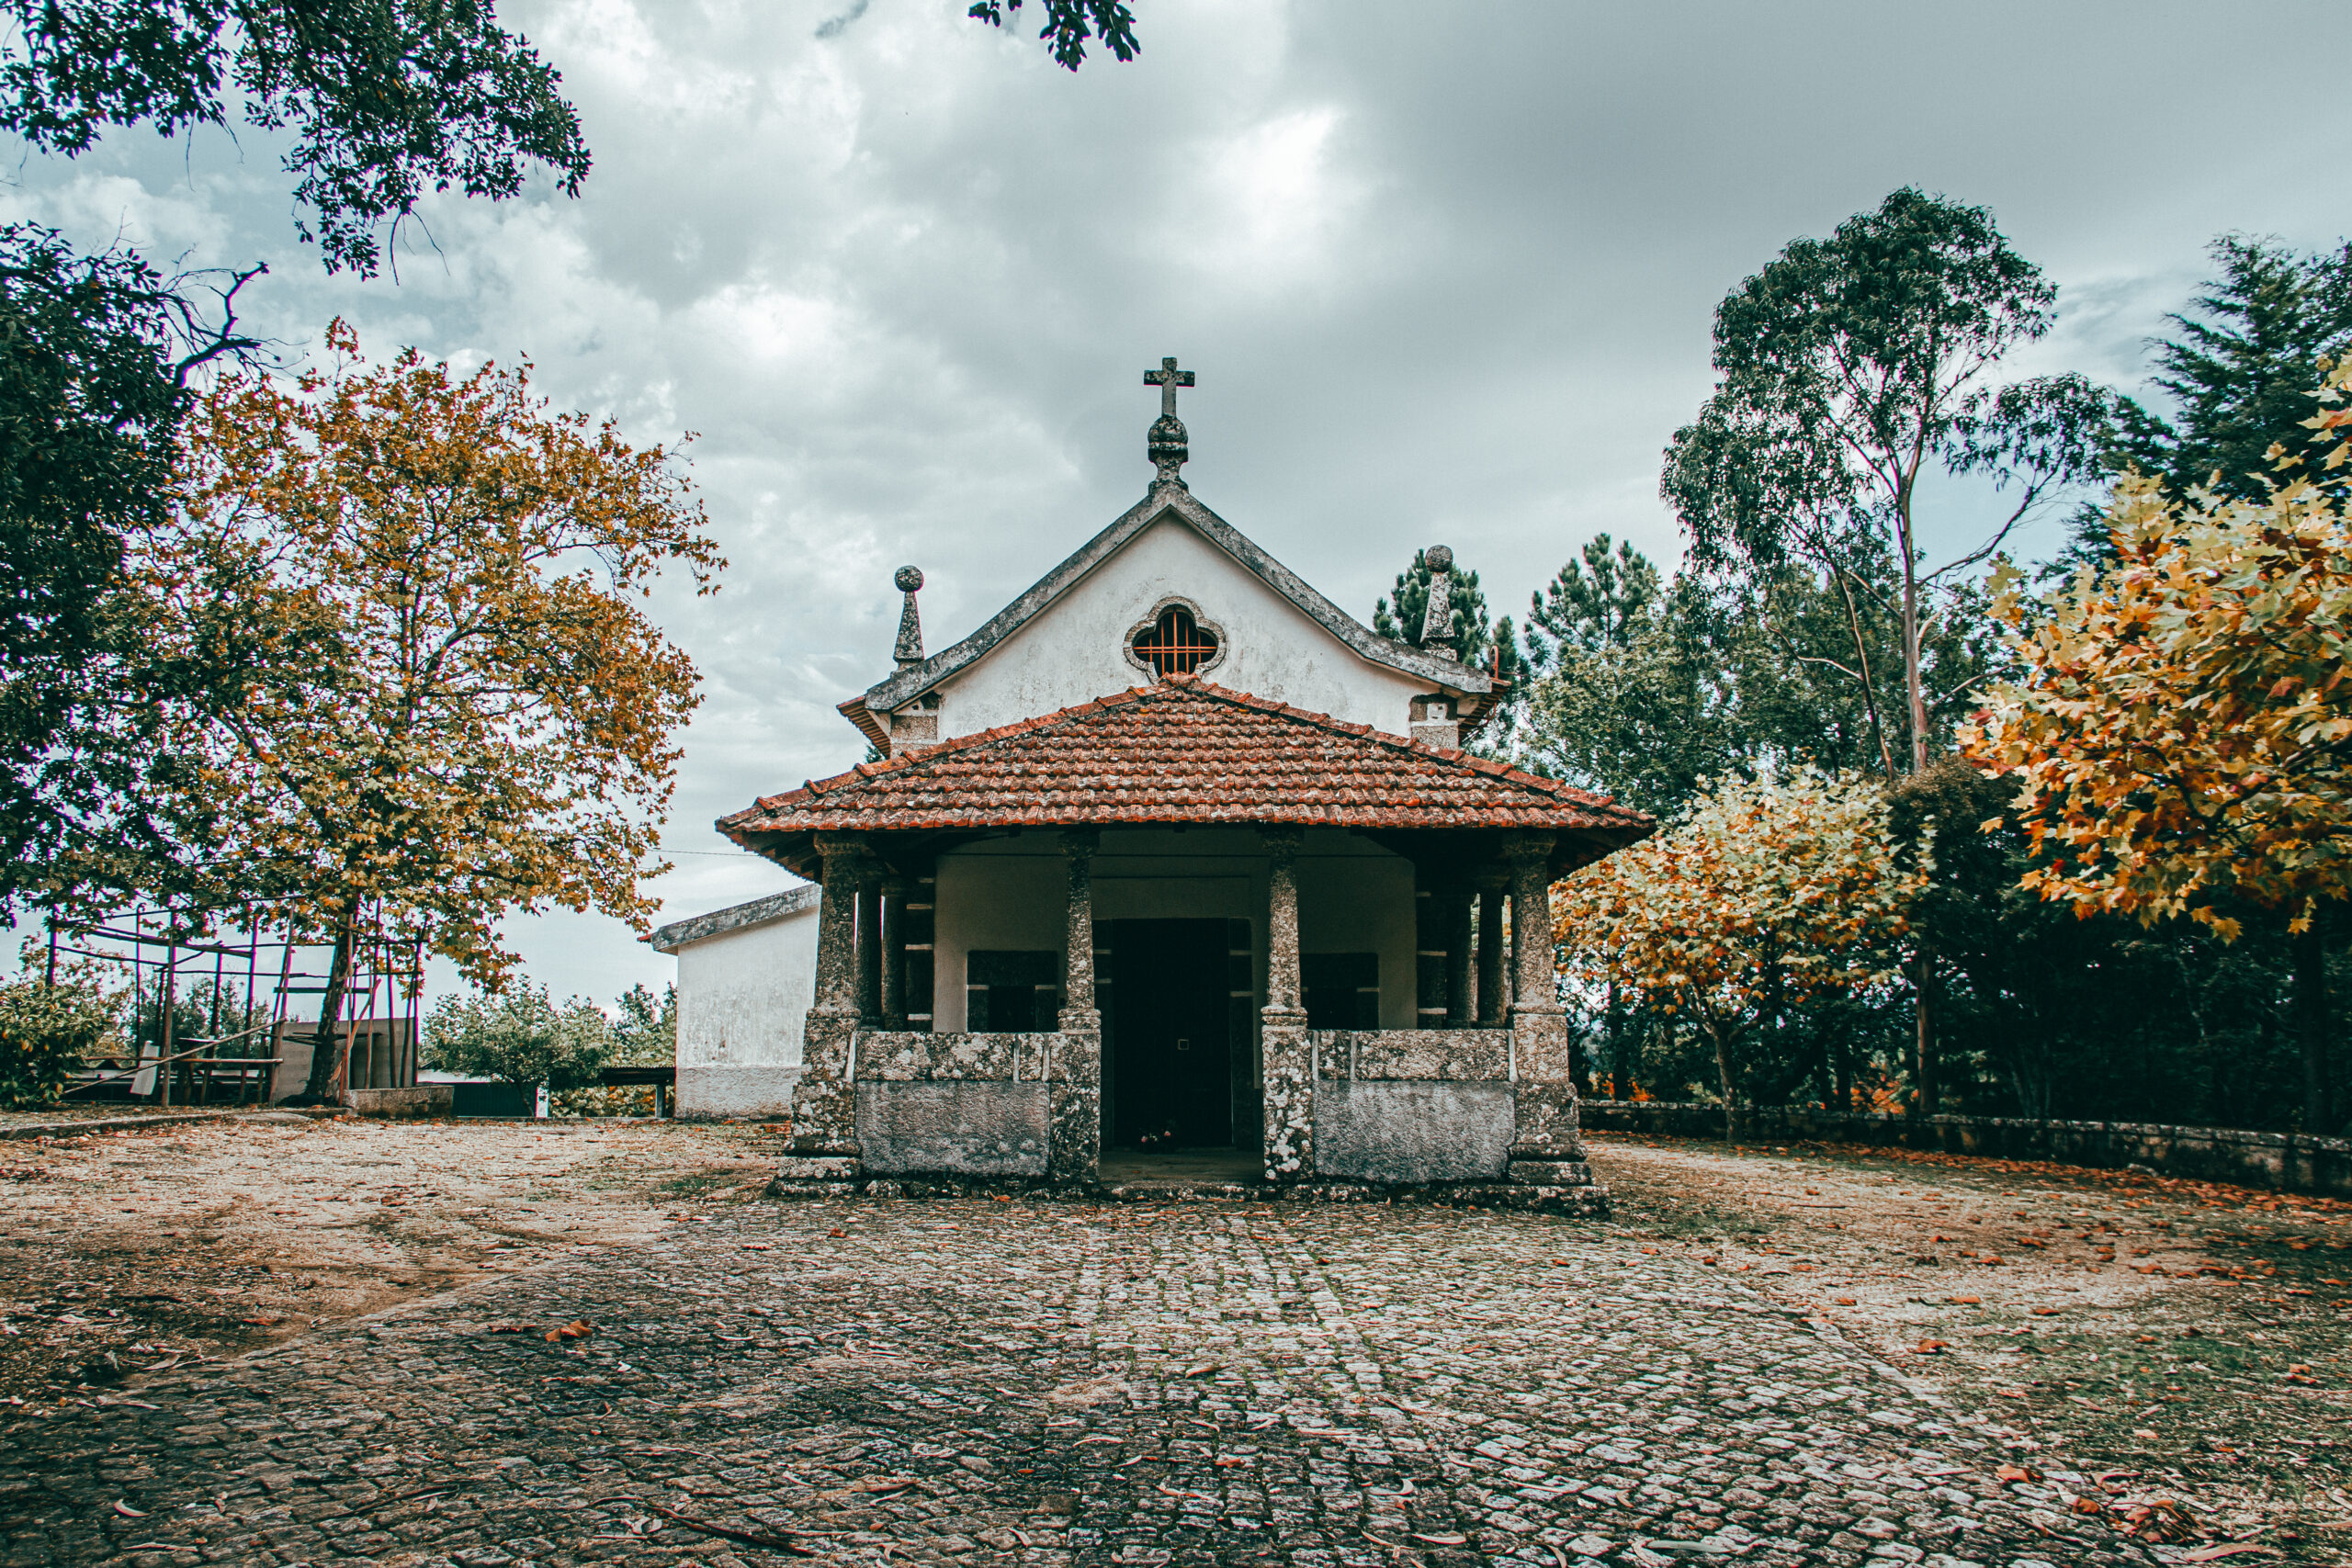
(1166, 447)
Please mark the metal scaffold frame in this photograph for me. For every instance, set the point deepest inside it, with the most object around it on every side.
(256, 991)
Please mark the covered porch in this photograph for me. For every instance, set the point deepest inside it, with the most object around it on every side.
(1309, 976)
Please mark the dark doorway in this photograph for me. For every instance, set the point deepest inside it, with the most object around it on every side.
(1170, 1036)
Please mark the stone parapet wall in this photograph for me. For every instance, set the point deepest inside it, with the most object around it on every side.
(2286, 1161)
(1473, 1055)
(915, 1056)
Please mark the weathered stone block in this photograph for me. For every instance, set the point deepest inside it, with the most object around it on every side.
(948, 1128)
(1413, 1132)
(423, 1100)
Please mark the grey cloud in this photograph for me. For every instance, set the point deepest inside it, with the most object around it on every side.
(1444, 271)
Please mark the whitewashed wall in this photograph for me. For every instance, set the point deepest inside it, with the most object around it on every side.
(1071, 652)
(744, 991)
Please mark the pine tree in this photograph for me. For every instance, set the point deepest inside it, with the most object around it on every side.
(2238, 371)
(1591, 603)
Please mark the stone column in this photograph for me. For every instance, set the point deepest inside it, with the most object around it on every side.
(1493, 997)
(824, 1105)
(1458, 1013)
(1289, 1080)
(1074, 1109)
(893, 952)
(1547, 1149)
(869, 951)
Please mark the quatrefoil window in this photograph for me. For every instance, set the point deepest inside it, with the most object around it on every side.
(1174, 642)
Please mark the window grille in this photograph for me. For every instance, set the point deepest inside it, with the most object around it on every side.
(1175, 643)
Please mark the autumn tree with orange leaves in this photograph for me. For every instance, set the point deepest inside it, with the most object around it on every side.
(1768, 893)
(443, 695)
(2182, 734)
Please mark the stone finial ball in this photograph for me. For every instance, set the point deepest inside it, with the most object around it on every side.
(1440, 558)
(910, 577)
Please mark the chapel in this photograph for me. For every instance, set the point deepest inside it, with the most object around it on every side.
(1171, 867)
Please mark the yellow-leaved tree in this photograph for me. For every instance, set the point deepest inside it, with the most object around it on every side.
(447, 699)
(2182, 731)
(1768, 893)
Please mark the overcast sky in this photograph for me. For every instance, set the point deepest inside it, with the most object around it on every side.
(1446, 273)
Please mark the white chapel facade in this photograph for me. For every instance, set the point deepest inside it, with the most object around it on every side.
(1171, 856)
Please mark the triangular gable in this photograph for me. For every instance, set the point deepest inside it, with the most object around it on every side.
(1172, 500)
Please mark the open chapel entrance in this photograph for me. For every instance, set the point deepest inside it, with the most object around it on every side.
(1177, 1039)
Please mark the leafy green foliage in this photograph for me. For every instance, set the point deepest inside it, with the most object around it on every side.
(1849, 368)
(1591, 604)
(46, 1031)
(1647, 713)
(94, 357)
(645, 1034)
(388, 99)
(518, 1037)
(1070, 23)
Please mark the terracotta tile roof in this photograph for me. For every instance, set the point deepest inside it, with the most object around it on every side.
(1185, 750)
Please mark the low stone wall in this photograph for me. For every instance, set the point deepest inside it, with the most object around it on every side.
(2286, 1161)
(423, 1100)
(1471, 1055)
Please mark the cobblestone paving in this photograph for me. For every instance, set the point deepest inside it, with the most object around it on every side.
(988, 1382)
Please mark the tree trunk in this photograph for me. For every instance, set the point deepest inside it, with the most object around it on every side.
(1722, 1036)
(2313, 1021)
(329, 1044)
(1616, 1045)
(1927, 1090)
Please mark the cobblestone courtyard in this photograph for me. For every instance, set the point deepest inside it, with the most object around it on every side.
(1042, 1384)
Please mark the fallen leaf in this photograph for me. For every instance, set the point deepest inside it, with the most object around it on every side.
(2088, 1505)
(837, 1231)
(2234, 1548)
(2045, 1311)
(1964, 1300)
(2014, 1473)
(127, 1511)
(1201, 1371)
(262, 1322)
(1844, 1300)
(578, 1328)
(1442, 1539)
(1931, 1347)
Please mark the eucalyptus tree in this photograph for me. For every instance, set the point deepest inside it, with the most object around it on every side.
(1849, 370)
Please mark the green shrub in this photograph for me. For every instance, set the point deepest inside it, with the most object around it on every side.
(46, 1032)
(519, 1036)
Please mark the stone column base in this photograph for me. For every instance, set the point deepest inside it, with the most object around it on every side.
(1289, 1089)
(1074, 1104)
(824, 1102)
(1550, 1172)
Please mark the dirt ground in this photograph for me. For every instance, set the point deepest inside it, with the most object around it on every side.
(131, 1252)
(2186, 1341)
